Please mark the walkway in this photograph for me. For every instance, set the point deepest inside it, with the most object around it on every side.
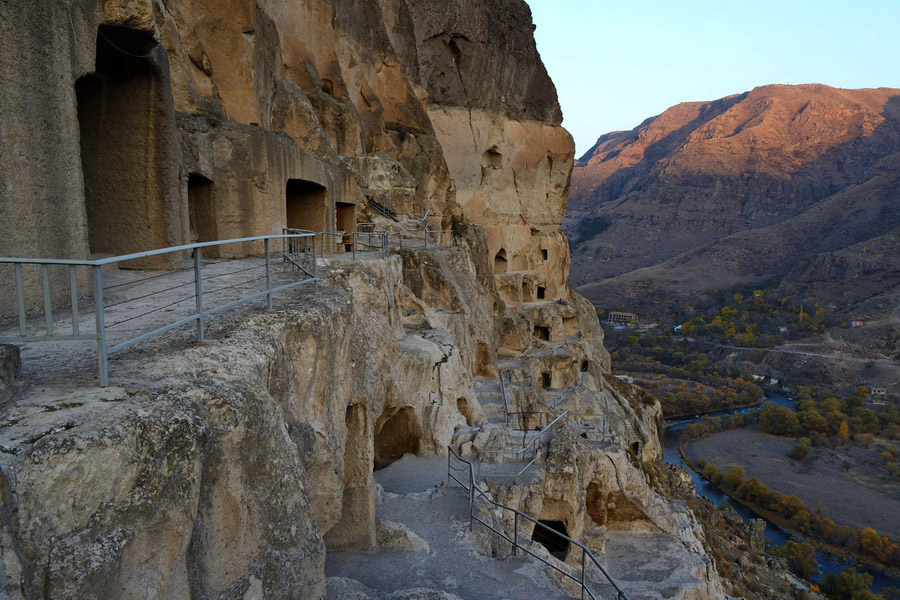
(439, 515)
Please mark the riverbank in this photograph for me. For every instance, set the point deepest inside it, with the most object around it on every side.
(785, 524)
(717, 411)
(837, 481)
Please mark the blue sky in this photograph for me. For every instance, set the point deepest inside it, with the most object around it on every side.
(617, 62)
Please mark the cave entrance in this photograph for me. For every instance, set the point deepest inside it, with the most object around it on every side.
(500, 262)
(201, 209)
(549, 537)
(542, 332)
(541, 292)
(397, 433)
(122, 116)
(546, 380)
(462, 405)
(306, 205)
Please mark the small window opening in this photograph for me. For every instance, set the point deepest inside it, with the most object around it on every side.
(546, 380)
(545, 254)
(542, 333)
(541, 292)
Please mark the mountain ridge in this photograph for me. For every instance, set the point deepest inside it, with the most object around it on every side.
(742, 188)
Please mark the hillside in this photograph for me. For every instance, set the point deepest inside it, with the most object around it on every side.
(743, 188)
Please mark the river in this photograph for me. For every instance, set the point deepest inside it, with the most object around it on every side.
(776, 535)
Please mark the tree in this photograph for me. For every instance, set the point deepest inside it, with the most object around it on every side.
(844, 433)
(865, 439)
(801, 450)
(849, 585)
(869, 541)
(800, 558)
(734, 476)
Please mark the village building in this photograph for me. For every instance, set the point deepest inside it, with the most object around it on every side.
(621, 318)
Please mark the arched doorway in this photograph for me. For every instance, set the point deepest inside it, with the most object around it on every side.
(549, 537)
(500, 262)
(397, 432)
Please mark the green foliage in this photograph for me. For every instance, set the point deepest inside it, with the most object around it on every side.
(749, 315)
(800, 557)
(801, 451)
(849, 585)
(707, 386)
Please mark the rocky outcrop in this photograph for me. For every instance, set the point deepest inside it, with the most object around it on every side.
(230, 469)
(233, 465)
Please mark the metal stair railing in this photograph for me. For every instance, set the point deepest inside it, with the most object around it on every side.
(467, 480)
(532, 449)
(383, 210)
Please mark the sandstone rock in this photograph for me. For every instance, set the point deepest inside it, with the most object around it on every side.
(398, 535)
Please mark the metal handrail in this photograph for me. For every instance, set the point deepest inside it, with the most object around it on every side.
(523, 452)
(472, 488)
(99, 335)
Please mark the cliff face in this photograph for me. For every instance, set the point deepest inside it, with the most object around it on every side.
(227, 470)
(734, 189)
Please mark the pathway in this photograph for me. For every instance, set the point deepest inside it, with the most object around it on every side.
(439, 515)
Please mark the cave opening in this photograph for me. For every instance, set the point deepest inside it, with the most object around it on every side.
(306, 205)
(546, 380)
(462, 405)
(397, 432)
(549, 537)
(500, 261)
(122, 113)
(541, 292)
(542, 332)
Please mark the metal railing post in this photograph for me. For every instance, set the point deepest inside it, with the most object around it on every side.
(353, 245)
(315, 263)
(268, 275)
(20, 300)
(198, 297)
(45, 288)
(73, 298)
(102, 357)
(583, 556)
(384, 245)
(471, 497)
(515, 534)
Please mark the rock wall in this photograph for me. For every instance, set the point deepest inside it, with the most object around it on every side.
(229, 468)
(226, 470)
